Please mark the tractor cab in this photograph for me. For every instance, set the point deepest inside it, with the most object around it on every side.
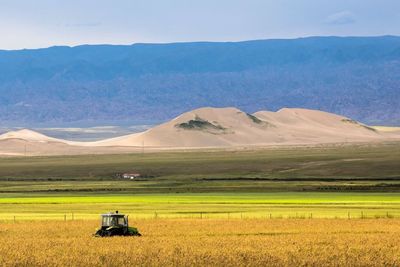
(114, 223)
(113, 219)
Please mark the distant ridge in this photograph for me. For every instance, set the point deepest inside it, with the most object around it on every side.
(355, 77)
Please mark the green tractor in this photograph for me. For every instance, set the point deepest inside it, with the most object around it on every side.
(115, 224)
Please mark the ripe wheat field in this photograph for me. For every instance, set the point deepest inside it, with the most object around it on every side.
(206, 242)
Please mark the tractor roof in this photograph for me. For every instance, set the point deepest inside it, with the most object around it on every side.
(112, 214)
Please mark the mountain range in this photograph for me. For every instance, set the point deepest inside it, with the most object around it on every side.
(357, 77)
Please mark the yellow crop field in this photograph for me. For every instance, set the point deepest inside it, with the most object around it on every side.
(205, 242)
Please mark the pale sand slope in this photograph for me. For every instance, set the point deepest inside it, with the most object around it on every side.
(29, 135)
(19, 147)
(221, 127)
(35, 137)
(31, 143)
(386, 129)
(211, 127)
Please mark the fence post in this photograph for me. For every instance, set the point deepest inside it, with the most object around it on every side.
(362, 215)
(270, 215)
(65, 217)
(311, 215)
(14, 220)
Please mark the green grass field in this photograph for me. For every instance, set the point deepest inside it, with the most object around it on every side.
(221, 205)
(343, 168)
(329, 181)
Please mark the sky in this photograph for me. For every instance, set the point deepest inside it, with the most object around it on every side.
(44, 23)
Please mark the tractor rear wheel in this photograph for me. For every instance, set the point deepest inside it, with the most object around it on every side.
(113, 232)
(109, 233)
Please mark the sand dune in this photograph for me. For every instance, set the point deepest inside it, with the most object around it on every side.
(209, 127)
(35, 137)
(225, 127)
(19, 147)
(28, 135)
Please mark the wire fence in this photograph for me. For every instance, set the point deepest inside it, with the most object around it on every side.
(72, 216)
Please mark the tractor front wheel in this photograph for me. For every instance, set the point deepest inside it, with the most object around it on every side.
(99, 233)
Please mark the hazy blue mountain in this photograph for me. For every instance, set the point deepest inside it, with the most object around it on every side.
(357, 77)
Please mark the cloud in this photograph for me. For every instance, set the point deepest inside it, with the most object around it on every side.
(341, 18)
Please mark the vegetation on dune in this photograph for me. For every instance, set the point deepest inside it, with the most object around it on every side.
(358, 124)
(254, 118)
(199, 124)
(350, 121)
(258, 121)
(205, 242)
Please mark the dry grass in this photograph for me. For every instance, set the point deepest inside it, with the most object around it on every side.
(207, 242)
